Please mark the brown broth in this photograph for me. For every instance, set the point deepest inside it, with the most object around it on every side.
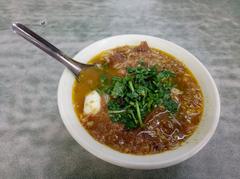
(161, 131)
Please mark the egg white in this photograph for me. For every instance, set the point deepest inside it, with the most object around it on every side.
(92, 103)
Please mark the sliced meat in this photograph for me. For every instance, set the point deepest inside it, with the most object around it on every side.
(143, 47)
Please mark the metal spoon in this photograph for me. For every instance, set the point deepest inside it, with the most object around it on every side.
(50, 49)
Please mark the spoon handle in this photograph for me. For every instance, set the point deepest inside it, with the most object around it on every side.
(47, 47)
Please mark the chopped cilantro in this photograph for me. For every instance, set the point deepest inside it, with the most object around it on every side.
(135, 95)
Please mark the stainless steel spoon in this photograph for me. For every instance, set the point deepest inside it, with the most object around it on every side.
(50, 49)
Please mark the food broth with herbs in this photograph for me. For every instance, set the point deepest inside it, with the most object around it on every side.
(140, 101)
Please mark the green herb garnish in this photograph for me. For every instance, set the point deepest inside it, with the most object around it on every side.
(135, 95)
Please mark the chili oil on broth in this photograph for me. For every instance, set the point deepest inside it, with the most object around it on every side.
(162, 131)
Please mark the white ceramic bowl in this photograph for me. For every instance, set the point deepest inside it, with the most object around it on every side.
(195, 143)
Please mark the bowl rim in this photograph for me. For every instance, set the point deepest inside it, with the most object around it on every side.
(148, 164)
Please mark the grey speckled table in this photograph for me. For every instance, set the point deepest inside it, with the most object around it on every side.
(33, 140)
